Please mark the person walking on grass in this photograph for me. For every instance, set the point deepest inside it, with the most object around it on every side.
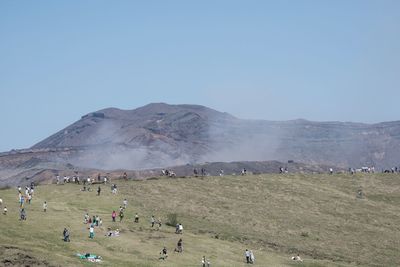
(136, 218)
(91, 231)
(21, 201)
(66, 235)
(22, 215)
(179, 247)
(5, 210)
(113, 215)
(98, 191)
(164, 254)
(205, 262)
(86, 218)
(121, 215)
(247, 255)
(45, 206)
(152, 221)
(159, 224)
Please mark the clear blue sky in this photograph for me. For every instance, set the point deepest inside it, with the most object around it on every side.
(276, 60)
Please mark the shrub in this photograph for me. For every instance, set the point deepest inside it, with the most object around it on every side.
(172, 219)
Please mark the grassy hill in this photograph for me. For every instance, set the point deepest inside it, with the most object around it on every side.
(276, 216)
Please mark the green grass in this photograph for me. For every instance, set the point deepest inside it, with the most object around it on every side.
(277, 216)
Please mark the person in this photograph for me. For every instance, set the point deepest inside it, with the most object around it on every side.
(98, 191)
(29, 198)
(100, 222)
(97, 220)
(121, 215)
(98, 177)
(66, 235)
(330, 171)
(125, 176)
(21, 201)
(45, 206)
(91, 231)
(113, 215)
(152, 221)
(1, 202)
(105, 180)
(136, 218)
(247, 255)
(252, 258)
(114, 188)
(179, 247)
(112, 233)
(164, 254)
(86, 219)
(125, 202)
(297, 258)
(205, 262)
(22, 214)
(159, 224)
(5, 211)
(180, 229)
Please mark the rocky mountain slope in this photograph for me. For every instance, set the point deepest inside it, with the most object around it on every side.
(160, 135)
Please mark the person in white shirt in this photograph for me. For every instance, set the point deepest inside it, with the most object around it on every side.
(247, 255)
(205, 262)
(91, 231)
(45, 206)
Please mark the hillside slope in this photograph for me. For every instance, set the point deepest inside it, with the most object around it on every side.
(277, 216)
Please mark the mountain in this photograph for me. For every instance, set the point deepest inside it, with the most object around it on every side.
(159, 135)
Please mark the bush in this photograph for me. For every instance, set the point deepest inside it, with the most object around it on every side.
(304, 234)
(172, 219)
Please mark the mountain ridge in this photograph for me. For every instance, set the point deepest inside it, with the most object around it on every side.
(160, 134)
